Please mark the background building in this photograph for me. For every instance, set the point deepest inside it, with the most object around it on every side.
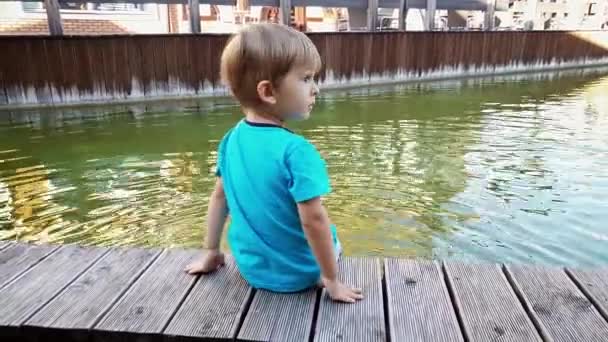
(129, 18)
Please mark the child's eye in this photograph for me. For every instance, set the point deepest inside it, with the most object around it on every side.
(308, 78)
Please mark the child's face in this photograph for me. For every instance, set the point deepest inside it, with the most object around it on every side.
(296, 94)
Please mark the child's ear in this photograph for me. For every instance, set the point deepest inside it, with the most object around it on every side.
(266, 92)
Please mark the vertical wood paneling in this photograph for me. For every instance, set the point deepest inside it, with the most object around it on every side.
(46, 70)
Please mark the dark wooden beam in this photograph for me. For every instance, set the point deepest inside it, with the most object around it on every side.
(195, 16)
(53, 17)
(402, 14)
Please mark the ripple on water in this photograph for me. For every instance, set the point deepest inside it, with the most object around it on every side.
(502, 171)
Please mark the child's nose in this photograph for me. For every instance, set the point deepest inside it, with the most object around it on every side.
(315, 89)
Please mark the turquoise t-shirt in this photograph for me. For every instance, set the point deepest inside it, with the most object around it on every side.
(266, 170)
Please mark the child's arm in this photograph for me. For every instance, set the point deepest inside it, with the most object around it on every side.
(216, 219)
(315, 223)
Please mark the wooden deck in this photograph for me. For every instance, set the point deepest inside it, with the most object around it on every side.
(72, 293)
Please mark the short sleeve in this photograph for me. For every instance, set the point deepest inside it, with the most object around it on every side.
(309, 178)
(221, 152)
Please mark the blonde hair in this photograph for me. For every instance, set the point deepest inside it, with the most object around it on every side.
(264, 52)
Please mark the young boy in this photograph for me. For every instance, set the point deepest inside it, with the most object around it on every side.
(270, 179)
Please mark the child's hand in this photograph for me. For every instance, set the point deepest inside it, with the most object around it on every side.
(340, 292)
(210, 262)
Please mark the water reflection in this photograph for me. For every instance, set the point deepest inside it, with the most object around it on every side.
(501, 169)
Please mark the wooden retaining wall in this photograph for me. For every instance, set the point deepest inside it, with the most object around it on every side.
(60, 70)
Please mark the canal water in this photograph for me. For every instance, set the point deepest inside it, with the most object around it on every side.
(505, 169)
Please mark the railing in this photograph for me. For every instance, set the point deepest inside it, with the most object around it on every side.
(430, 6)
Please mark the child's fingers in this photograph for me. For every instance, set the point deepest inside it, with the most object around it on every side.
(357, 290)
(192, 270)
(347, 299)
(355, 295)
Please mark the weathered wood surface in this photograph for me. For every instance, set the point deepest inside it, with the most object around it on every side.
(214, 307)
(72, 293)
(148, 306)
(85, 300)
(489, 308)
(363, 321)
(276, 317)
(560, 309)
(4, 244)
(17, 258)
(60, 70)
(26, 295)
(419, 306)
(594, 283)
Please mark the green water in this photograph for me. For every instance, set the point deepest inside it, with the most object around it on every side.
(505, 169)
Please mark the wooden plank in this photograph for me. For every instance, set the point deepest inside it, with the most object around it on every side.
(215, 306)
(419, 305)
(174, 52)
(3, 94)
(372, 15)
(137, 59)
(4, 244)
(146, 55)
(195, 16)
(488, 307)
(279, 316)
(53, 17)
(5, 75)
(148, 305)
(56, 77)
(85, 300)
(161, 77)
(20, 257)
(15, 82)
(28, 294)
(77, 69)
(35, 71)
(106, 65)
(98, 76)
(594, 284)
(559, 309)
(285, 12)
(363, 321)
(120, 67)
